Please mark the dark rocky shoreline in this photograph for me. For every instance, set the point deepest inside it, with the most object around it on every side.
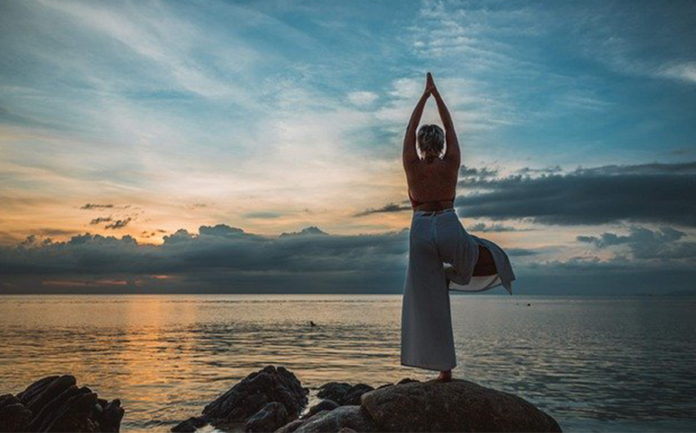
(56, 404)
(274, 400)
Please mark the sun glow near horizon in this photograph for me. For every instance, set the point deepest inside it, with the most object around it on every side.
(151, 121)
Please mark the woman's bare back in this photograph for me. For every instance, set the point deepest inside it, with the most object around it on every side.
(432, 181)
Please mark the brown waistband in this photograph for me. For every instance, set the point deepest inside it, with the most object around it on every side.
(433, 206)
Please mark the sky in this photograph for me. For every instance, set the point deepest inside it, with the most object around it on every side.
(222, 146)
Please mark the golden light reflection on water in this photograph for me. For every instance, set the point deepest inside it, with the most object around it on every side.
(166, 357)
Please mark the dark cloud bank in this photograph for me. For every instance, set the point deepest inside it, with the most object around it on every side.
(647, 193)
(650, 193)
(223, 259)
(217, 259)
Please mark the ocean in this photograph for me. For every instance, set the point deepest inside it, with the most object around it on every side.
(594, 364)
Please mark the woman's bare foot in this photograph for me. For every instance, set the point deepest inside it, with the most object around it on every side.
(445, 376)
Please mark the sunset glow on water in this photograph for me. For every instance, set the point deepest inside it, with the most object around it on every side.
(594, 363)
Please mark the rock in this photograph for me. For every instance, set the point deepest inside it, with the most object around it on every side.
(333, 391)
(190, 425)
(327, 405)
(49, 392)
(456, 406)
(251, 396)
(55, 403)
(343, 393)
(290, 427)
(271, 417)
(35, 388)
(353, 417)
(73, 414)
(13, 415)
(111, 415)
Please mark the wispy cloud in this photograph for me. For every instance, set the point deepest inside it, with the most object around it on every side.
(684, 71)
(362, 98)
(388, 208)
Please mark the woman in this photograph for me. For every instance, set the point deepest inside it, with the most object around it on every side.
(442, 255)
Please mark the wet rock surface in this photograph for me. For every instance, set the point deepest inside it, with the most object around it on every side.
(271, 417)
(272, 400)
(456, 406)
(55, 404)
(343, 417)
(327, 405)
(343, 393)
(247, 403)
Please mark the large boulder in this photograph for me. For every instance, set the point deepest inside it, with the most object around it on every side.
(455, 406)
(250, 399)
(343, 393)
(55, 403)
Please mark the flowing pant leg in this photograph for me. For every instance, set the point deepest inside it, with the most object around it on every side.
(456, 247)
(427, 340)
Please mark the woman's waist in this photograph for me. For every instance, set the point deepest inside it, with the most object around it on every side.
(434, 206)
(432, 212)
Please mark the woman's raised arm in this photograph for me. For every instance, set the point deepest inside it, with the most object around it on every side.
(452, 153)
(409, 152)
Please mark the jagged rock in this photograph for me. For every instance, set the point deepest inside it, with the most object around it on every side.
(271, 417)
(73, 416)
(35, 388)
(322, 405)
(343, 393)
(13, 415)
(291, 427)
(190, 425)
(456, 406)
(353, 417)
(50, 391)
(245, 399)
(55, 403)
(111, 415)
(333, 391)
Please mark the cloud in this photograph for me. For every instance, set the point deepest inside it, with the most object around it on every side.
(643, 243)
(388, 208)
(100, 220)
(534, 171)
(519, 252)
(484, 172)
(362, 98)
(224, 254)
(92, 206)
(118, 224)
(307, 231)
(656, 193)
(483, 227)
(224, 259)
(681, 71)
(263, 215)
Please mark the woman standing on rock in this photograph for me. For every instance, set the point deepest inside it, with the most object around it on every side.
(438, 238)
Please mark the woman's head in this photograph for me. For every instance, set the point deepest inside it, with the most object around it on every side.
(431, 141)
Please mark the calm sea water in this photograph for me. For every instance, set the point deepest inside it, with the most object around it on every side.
(595, 364)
